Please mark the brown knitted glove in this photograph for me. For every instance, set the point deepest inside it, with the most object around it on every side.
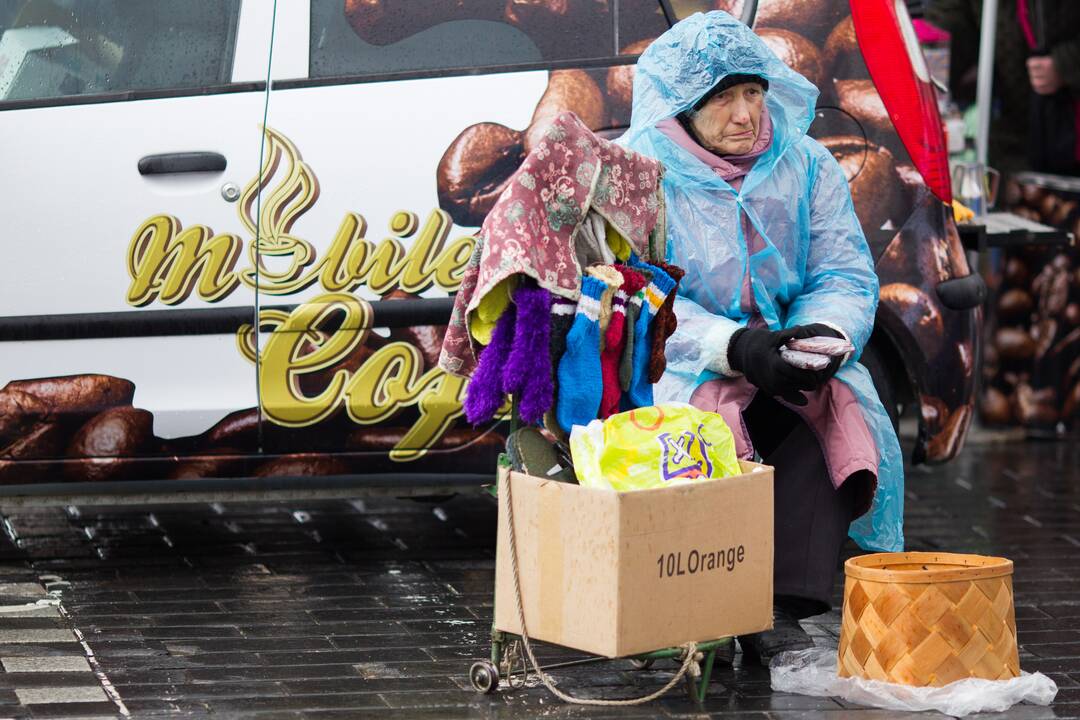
(664, 324)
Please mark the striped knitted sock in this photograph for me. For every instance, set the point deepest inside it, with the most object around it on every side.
(580, 382)
(641, 391)
(562, 317)
(615, 341)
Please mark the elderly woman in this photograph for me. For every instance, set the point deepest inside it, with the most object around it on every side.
(760, 216)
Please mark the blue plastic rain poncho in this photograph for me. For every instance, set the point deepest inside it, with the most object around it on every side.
(815, 266)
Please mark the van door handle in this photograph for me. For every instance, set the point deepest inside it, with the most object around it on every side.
(182, 162)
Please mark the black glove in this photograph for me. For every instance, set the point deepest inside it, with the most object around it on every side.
(755, 352)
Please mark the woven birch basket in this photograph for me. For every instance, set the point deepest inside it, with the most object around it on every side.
(928, 619)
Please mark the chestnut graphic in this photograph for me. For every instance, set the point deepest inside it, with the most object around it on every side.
(796, 51)
(1014, 344)
(861, 99)
(843, 60)
(475, 169)
(620, 84)
(870, 170)
(108, 443)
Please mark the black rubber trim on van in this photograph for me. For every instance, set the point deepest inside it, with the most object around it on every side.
(202, 321)
(962, 293)
(129, 95)
(403, 483)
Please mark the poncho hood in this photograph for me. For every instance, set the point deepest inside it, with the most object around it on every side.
(684, 63)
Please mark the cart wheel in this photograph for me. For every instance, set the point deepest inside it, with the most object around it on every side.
(641, 664)
(484, 677)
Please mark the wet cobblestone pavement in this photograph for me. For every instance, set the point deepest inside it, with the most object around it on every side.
(375, 608)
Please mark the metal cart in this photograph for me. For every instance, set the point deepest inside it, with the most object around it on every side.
(508, 661)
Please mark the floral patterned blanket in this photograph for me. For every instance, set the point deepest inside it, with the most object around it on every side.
(531, 229)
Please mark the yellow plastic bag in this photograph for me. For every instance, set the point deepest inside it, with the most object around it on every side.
(653, 447)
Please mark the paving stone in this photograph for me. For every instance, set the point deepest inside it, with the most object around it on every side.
(13, 622)
(61, 694)
(8, 700)
(168, 708)
(342, 701)
(200, 691)
(42, 649)
(55, 664)
(30, 635)
(81, 710)
(357, 684)
(53, 678)
(29, 611)
(29, 590)
(197, 646)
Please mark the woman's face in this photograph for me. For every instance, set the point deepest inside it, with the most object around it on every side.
(728, 123)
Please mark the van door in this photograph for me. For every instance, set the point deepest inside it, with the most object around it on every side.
(129, 157)
(408, 121)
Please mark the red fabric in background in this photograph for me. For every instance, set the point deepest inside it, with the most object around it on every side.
(1023, 17)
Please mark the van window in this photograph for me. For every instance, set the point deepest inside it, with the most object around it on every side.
(356, 37)
(639, 21)
(58, 48)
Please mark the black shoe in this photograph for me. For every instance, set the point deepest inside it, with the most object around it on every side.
(786, 634)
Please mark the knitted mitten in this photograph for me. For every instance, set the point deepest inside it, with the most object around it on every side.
(656, 291)
(664, 324)
(633, 312)
(615, 341)
(612, 280)
(484, 395)
(580, 383)
(527, 372)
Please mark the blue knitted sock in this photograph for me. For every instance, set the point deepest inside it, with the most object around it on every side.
(641, 390)
(581, 385)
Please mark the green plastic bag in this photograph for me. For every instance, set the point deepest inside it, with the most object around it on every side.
(652, 447)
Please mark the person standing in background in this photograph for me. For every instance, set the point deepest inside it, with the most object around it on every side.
(1035, 121)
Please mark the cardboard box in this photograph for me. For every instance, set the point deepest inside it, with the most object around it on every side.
(619, 574)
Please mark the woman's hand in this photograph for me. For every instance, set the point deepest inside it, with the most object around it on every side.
(755, 352)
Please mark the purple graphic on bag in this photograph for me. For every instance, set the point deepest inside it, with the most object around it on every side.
(685, 455)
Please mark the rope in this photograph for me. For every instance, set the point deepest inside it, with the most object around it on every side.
(691, 657)
(258, 224)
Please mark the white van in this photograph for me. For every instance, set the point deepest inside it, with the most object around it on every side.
(149, 172)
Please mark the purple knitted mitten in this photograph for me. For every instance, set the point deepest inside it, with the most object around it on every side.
(527, 373)
(484, 395)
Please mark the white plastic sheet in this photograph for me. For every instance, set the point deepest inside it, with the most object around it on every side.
(813, 672)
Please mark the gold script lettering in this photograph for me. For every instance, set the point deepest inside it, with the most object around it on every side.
(166, 262)
(169, 263)
(387, 382)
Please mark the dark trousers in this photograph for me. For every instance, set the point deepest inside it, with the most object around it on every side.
(810, 517)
